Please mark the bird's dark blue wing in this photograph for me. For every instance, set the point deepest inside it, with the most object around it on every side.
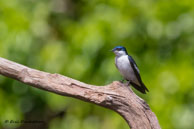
(133, 64)
(142, 87)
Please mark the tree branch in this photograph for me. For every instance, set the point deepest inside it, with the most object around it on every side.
(115, 96)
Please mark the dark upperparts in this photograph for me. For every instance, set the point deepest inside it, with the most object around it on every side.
(119, 48)
(142, 88)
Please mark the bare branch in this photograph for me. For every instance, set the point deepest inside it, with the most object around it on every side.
(115, 96)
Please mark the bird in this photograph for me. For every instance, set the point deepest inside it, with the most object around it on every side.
(128, 69)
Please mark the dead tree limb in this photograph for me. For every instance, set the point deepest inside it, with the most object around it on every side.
(115, 96)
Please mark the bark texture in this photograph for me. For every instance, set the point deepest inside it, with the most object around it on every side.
(115, 96)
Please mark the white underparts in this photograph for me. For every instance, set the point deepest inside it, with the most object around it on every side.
(124, 67)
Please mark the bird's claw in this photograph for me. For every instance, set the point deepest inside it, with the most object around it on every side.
(122, 81)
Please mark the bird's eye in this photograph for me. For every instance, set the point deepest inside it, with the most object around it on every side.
(118, 49)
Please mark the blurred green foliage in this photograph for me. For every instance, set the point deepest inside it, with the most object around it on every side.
(73, 38)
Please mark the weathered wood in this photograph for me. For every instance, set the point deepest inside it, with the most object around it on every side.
(115, 96)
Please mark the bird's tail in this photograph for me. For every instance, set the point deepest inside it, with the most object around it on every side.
(142, 88)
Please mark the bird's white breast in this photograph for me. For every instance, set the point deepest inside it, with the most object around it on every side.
(125, 68)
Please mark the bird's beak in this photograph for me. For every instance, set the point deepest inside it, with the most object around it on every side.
(112, 50)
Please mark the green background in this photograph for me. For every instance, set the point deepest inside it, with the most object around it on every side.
(73, 38)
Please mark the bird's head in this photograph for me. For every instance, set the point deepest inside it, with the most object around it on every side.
(119, 51)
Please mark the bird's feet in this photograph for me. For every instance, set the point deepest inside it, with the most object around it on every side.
(128, 83)
(122, 81)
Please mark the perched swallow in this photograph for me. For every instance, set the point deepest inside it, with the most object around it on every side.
(128, 68)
